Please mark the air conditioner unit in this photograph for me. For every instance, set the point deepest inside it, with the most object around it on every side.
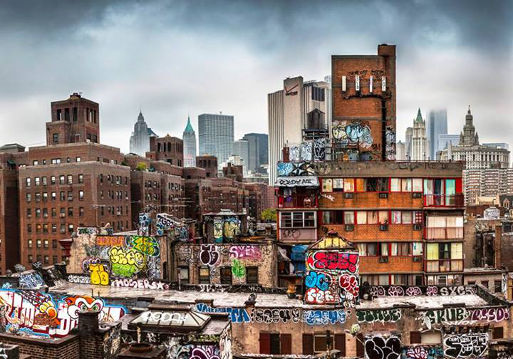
(417, 259)
(383, 259)
(349, 227)
(416, 195)
(383, 195)
(348, 195)
(417, 227)
(383, 227)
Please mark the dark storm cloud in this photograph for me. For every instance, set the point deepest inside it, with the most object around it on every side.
(175, 57)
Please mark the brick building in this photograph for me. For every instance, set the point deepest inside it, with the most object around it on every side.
(167, 148)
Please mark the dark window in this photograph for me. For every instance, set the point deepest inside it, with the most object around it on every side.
(252, 275)
(360, 350)
(484, 283)
(226, 275)
(275, 343)
(415, 338)
(340, 344)
(75, 114)
(308, 344)
(55, 138)
(497, 285)
(66, 114)
(333, 217)
(265, 343)
(444, 251)
(498, 333)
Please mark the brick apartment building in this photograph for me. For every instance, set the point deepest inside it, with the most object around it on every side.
(406, 219)
(47, 192)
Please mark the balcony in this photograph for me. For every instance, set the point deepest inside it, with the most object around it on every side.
(395, 264)
(444, 233)
(384, 200)
(444, 265)
(297, 201)
(442, 200)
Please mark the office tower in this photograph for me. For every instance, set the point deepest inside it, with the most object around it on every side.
(400, 148)
(419, 148)
(189, 145)
(216, 136)
(241, 149)
(140, 138)
(436, 126)
(408, 142)
(258, 150)
(288, 112)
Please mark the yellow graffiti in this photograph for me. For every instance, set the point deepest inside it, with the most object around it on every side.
(98, 274)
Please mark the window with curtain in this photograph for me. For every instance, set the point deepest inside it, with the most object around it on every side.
(395, 185)
(417, 184)
(432, 251)
(456, 250)
(348, 217)
(362, 249)
(404, 249)
(327, 185)
(383, 184)
(372, 249)
(348, 184)
(372, 217)
(361, 184)
(396, 217)
(428, 186)
(417, 248)
(384, 249)
(361, 217)
(406, 185)
(338, 184)
(393, 249)
(383, 217)
(407, 217)
(445, 250)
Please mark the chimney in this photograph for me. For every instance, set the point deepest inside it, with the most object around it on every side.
(88, 323)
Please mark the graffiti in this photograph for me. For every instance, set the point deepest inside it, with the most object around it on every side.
(423, 352)
(324, 317)
(463, 315)
(390, 144)
(218, 230)
(238, 269)
(319, 149)
(317, 296)
(295, 169)
(126, 262)
(245, 252)
(237, 315)
(318, 280)
(411, 291)
(417, 353)
(328, 197)
(350, 284)
(282, 315)
(332, 261)
(284, 168)
(378, 347)
(112, 342)
(79, 279)
(299, 181)
(290, 233)
(205, 352)
(297, 255)
(380, 315)
(140, 284)
(87, 230)
(231, 228)
(144, 223)
(469, 345)
(99, 275)
(145, 245)
(31, 280)
(353, 133)
(176, 350)
(209, 255)
(36, 314)
(209, 288)
(110, 241)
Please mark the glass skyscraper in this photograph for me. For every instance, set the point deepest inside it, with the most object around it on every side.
(216, 136)
(436, 126)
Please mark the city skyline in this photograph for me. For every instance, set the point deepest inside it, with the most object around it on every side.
(460, 54)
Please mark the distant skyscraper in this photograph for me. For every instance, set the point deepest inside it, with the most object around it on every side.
(140, 138)
(408, 143)
(258, 150)
(288, 111)
(216, 136)
(444, 140)
(241, 149)
(437, 125)
(400, 151)
(419, 144)
(189, 145)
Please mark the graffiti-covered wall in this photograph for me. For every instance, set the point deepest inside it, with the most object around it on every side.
(241, 260)
(32, 313)
(110, 258)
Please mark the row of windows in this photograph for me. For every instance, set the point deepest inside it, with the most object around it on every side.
(395, 249)
(113, 179)
(62, 211)
(45, 227)
(297, 220)
(63, 196)
(42, 243)
(43, 259)
(225, 275)
(63, 179)
(115, 195)
(371, 217)
(118, 210)
(55, 161)
(384, 184)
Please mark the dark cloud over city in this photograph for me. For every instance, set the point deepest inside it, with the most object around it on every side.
(174, 58)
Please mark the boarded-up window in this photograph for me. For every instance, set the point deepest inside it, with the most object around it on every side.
(340, 343)
(226, 275)
(360, 352)
(498, 333)
(286, 344)
(275, 344)
(415, 338)
(265, 343)
(308, 344)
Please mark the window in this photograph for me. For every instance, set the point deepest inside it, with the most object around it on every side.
(28, 197)
(35, 162)
(70, 179)
(29, 243)
(45, 212)
(29, 228)
(372, 249)
(497, 286)
(30, 258)
(70, 195)
(37, 181)
(81, 211)
(54, 260)
(70, 211)
(45, 243)
(80, 195)
(37, 196)
(54, 212)
(395, 185)
(348, 184)
(29, 213)
(297, 219)
(38, 243)
(348, 217)
(38, 212)
(78, 159)
(183, 274)
(322, 342)
(70, 228)
(226, 275)
(80, 178)
(45, 196)
(485, 283)
(54, 196)
(204, 275)
(61, 179)
(27, 181)
(52, 180)
(56, 161)
(63, 228)
(333, 217)
(54, 228)
(252, 275)
(498, 333)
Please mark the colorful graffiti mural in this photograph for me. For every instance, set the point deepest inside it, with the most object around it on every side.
(463, 316)
(379, 315)
(36, 314)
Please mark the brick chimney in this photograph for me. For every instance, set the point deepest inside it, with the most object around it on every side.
(497, 246)
(88, 323)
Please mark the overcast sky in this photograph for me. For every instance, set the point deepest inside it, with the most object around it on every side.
(173, 58)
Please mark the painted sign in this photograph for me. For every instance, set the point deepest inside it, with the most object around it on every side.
(303, 181)
(466, 345)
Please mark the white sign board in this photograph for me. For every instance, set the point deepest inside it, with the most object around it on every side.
(298, 181)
